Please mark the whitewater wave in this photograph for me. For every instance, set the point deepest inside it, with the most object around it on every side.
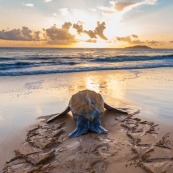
(133, 58)
(36, 72)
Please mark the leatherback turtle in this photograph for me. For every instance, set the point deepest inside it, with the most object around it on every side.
(87, 108)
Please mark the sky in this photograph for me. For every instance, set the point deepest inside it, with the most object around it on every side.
(86, 23)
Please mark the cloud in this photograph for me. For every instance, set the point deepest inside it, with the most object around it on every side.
(171, 42)
(134, 36)
(66, 25)
(126, 39)
(64, 11)
(29, 5)
(130, 39)
(133, 40)
(119, 6)
(150, 1)
(60, 36)
(90, 33)
(24, 34)
(108, 10)
(91, 41)
(154, 43)
(79, 27)
(55, 35)
(47, 0)
(137, 42)
(124, 6)
(98, 31)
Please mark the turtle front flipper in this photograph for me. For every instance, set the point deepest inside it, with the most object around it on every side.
(82, 126)
(55, 116)
(95, 126)
(110, 108)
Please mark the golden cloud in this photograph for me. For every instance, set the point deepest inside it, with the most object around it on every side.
(24, 34)
(119, 6)
(60, 36)
(133, 40)
(98, 31)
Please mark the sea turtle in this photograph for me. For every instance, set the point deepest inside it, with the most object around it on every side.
(87, 108)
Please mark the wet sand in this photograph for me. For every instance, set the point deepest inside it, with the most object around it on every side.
(33, 96)
(131, 145)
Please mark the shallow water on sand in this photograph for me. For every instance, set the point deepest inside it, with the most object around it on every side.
(23, 99)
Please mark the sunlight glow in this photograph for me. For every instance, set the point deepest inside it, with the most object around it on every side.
(92, 84)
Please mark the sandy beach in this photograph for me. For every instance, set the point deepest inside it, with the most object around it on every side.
(137, 143)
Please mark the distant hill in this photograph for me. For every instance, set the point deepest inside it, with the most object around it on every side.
(138, 47)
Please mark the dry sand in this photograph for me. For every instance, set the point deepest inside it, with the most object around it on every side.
(131, 145)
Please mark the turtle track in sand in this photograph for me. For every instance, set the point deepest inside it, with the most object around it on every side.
(131, 145)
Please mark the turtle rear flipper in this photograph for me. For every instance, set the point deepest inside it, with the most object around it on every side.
(95, 126)
(82, 126)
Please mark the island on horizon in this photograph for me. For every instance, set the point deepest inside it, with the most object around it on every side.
(138, 47)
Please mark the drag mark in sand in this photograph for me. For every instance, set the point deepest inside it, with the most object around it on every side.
(131, 145)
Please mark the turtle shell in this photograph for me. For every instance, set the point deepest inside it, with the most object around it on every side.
(83, 102)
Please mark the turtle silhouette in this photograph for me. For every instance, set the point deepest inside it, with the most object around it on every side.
(87, 108)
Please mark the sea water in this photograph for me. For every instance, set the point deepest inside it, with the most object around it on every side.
(31, 61)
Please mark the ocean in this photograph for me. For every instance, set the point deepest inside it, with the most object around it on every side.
(31, 61)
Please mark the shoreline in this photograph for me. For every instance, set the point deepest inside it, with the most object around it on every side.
(47, 94)
(106, 69)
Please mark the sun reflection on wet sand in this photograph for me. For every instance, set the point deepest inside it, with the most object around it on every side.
(92, 84)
